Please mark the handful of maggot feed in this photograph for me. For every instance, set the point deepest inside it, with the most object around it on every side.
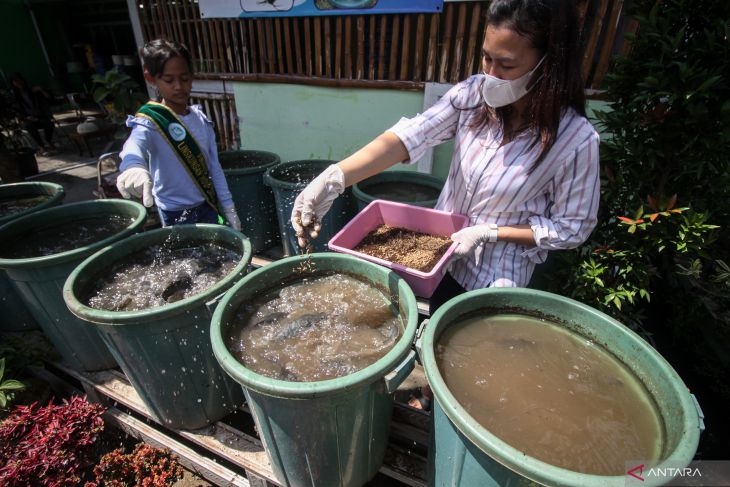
(302, 238)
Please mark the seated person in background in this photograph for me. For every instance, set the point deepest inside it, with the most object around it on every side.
(170, 158)
(33, 105)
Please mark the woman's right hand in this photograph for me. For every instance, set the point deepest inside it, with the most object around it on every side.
(313, 203)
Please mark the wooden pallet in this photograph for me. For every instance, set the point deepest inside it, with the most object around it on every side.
(223, 453)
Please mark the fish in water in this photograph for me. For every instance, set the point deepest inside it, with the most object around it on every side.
(294, 328)
(175, 291)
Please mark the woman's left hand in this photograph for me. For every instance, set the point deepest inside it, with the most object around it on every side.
(470, 238)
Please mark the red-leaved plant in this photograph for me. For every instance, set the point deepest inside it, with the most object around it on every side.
(48, 445)
(146, 466)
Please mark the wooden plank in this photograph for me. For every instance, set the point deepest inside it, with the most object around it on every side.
(394, 43)
(360, 65)
(327, 48)
(190, 459)
(607, 43)
(474, 46)
(176, 20)
(263, 66)
(244, 61)
(315, 81)
(226, 47)
(288, 46)
(318, 47)
(279, 46)
(418, 52)
(404, 47)
(456, 61)
(144, 15)
(433, 33)
(162, 18)
(338, 46)
(199, 42)
(595, 33)
(381, 49)
(347, 55)
(222, 46)
(308, 54)
(156, 27)
(270, 47)
(632, 26)
(298, 46)
(446, 43)
(190, 32)
(371, 47)
(253, 47)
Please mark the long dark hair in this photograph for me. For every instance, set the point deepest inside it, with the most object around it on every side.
(157, 52)
(552, 28)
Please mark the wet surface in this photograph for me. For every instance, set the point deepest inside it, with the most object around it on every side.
(314, 329)
(550, 393)
(162, 274)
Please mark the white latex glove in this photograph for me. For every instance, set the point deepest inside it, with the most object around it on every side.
(313, 203)
(470, 238)
(137, 182)
(232, 217)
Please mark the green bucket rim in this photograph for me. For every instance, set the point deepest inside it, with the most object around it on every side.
(243, 171)
(122, 318)
(509, 456)
(36, 188)
(271, 179)
(68, 212)
(410, 177)
(308, 390)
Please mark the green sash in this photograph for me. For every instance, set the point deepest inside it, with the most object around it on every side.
(185, 147)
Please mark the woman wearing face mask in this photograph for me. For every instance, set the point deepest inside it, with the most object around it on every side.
(525, 168)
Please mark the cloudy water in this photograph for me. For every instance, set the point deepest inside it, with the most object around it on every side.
(550, 393)
(314, 329)
(163, 274)
(11, 205)
(62, 237)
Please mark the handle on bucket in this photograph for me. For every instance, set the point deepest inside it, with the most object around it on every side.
(213, 303)
(699, 412)
(419, 334)
(396, 377)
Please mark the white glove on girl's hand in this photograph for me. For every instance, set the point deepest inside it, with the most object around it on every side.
(137, 182)
(315, 200)
(470, 238)
(232, 217)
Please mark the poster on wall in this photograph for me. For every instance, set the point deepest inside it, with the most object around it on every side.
(306, 8)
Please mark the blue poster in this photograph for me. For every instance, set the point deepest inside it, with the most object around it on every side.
(307, 8)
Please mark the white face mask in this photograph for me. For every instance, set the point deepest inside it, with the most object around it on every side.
(501, 92)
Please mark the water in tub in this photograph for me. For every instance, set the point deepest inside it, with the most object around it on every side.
(162, 274)
(550, 393)
(11, 205)
(62, 237)
(317, 328)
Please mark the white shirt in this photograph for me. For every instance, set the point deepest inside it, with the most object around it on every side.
(173, 188)
(493, 184)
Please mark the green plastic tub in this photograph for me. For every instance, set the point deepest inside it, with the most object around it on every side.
(165, 351)
(288, 179)
(463, 453)
(410, 187)
(39, 280)
(14, 315)
(244, 170)
(331, 432)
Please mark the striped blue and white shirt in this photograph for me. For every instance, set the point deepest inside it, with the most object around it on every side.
(493, 184)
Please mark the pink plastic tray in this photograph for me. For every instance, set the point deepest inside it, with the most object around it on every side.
(424, 220)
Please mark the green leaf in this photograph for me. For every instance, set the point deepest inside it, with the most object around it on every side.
(617, 302)
(3, 399)
(2, 367)
(12, 385)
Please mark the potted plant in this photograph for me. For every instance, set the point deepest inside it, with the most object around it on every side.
(17, 157)
(119, 94)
